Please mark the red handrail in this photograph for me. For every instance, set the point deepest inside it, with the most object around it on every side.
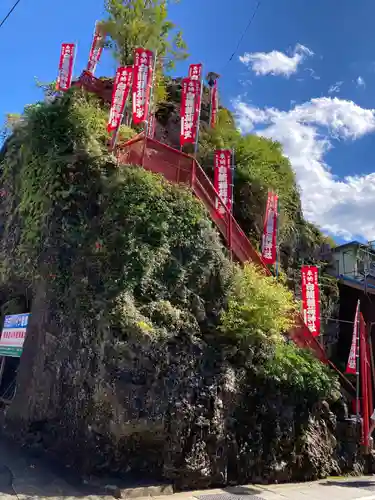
(182, 168)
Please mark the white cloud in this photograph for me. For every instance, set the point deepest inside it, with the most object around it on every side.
(344, 207)
(335, 88)
(360, 82)
(275, 62)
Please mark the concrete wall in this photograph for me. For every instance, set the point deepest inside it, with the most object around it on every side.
(345, 262)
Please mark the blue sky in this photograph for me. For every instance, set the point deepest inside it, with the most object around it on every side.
(304, 75)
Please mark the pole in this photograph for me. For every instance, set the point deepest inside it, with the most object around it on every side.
(151, 97)
(199, 117)
(231, 204)
(149, 109)
(277, 239)
(364, 382)
(210, 118)
(115, 135)
(321, 338)
(357, 368)
(233, 172)
(372, 371)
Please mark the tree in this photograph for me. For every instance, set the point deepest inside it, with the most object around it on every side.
(144, 23)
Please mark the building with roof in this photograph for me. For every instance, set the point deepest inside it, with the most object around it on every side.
(353, 264)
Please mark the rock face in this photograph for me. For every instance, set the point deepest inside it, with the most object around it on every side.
(124, 368)
(173, 410)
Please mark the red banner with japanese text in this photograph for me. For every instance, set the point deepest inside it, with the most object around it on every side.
(269, 240)
(142, 81)
(121, 89)
(195, 71)
(214, 104)
(311, 299)
(190, 109)
(64, 78)
(351, 367)
(223, 180)
(96, 48)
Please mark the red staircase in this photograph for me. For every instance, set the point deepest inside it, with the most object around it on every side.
(181, 168)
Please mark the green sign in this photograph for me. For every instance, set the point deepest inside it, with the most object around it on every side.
(13, 352)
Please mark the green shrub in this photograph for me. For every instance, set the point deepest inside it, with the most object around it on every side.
(258, 305)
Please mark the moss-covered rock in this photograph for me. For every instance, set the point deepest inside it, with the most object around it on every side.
(130, 363)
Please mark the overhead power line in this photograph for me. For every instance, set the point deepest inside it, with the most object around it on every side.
(252, 17)
(9, 13)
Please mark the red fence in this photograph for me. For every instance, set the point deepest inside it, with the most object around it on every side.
(181, 168)
(102, 88)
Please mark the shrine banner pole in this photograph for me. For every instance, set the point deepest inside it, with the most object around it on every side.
(233, 173)
(199, 119)
(277, 239)
(210, 117)
(364, 383)
(151, 98)
(357, 370)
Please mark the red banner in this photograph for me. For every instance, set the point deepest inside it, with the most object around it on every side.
(311, 299)
(64, 78)
(214, 104)
(223, 180)
(190, 108)
(269, 241)
(96, 49)
(142, 81)
(351, 367)
(195, 71)
(121, 89)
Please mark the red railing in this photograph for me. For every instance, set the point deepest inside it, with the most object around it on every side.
(181, 168)
(102, 88)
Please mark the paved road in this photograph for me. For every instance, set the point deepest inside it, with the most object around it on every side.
(330, 489)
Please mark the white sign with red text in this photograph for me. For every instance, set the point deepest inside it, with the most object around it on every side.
(64, 79)
(13, 335)
(142, 81)
(223, 180)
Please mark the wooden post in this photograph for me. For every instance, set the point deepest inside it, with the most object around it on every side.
(364, 387)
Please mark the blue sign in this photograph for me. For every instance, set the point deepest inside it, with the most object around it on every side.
(16, 320)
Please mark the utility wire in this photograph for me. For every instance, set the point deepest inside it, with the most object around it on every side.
(252, 17)
(9, 13)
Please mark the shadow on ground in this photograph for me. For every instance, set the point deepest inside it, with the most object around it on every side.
(364, 484)
(21, 473)
(230, 493)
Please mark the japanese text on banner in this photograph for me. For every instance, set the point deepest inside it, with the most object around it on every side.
(121, 88)
(195, 71)
(351, 367)
(64, 78)
(311, 299)
(142, 81)
(269, 240)
(190, 106)
(96, 49)
(223, 180)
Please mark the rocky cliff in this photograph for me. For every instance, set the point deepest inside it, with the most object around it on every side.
(128, 364)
